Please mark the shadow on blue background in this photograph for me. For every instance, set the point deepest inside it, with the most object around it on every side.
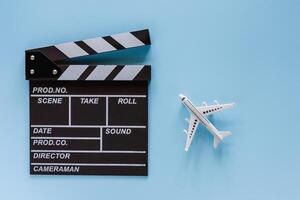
(233, 51)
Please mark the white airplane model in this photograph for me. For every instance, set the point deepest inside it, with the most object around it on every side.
(198, 114)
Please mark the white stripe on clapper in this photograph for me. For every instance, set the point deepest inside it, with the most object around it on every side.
(99, 45)
(127, 40)
(71, 49)
(129, 72)
(73, 72)
(101, 72)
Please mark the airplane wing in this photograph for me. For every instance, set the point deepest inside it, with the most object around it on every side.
(193, 125)
(208, 110)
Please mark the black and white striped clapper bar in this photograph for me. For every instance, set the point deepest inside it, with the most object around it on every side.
(88, 119)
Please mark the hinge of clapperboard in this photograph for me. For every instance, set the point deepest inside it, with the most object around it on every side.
(43, 63)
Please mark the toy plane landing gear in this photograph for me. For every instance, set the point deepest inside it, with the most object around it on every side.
(198, 115)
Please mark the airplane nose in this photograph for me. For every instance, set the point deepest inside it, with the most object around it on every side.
(181, 96)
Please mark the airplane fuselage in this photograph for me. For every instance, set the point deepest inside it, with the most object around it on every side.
(210, 127)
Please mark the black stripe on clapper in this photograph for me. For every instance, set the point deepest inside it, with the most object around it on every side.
(86, 48)
(113, 42)
(53, 53)
(115, 72)
(63, 68)
(87, 72)
(143, 36)
(144, 74)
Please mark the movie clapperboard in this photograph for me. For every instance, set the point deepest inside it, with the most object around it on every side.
(88, 119)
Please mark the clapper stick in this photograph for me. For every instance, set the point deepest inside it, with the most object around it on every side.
(88, 119)
(42, 63)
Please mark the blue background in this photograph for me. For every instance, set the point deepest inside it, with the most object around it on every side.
(242, 51)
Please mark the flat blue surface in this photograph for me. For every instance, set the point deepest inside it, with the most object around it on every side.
(242, 51)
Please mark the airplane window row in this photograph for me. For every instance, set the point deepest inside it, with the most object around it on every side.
(208, 111)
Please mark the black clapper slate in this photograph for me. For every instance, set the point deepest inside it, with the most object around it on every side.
(88, 119)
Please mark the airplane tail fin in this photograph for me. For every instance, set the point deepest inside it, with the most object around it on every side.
(222, 135)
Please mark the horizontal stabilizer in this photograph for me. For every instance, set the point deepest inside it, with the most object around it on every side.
(222, 135)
